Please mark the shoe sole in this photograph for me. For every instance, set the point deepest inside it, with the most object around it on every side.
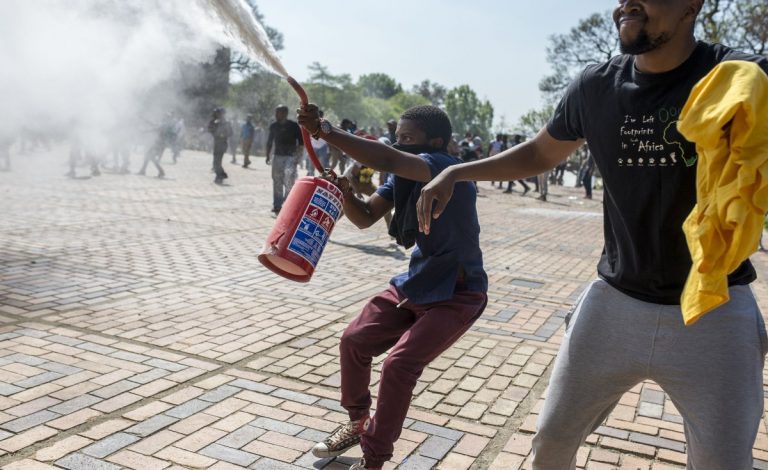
(328, 454)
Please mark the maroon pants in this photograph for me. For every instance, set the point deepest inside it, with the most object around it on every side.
(417, 334)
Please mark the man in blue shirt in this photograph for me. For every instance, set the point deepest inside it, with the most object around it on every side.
(425, 310)
(247, 134)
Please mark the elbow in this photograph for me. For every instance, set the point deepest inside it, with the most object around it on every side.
(362, 224)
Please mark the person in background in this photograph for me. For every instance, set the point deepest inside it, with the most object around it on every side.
(247, 135)
(587, 170)
(494, 147)
(164, 139)
(179, 138)
(391, 128)
(517, 140)
(321, 152)
(284, 138)
(234, 140)
(221, 130)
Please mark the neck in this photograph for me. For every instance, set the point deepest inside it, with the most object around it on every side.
(667, 57)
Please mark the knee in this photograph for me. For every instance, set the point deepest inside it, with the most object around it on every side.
(352, 339)
(733, 454)
(554, 439)
(405, 370)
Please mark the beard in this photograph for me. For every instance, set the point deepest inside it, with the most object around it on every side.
(642, 43)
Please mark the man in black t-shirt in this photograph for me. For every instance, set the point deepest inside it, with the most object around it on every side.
(628, 327)
(285, 138)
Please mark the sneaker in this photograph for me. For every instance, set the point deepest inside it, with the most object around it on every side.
(218, 181)
(342, 439)
(361, 466)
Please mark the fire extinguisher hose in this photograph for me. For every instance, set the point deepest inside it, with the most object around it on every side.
(304, 133)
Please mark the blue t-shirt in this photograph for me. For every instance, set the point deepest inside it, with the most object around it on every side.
(247, 131)
(452, 247)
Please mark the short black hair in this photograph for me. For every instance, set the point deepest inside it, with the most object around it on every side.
(432, 120)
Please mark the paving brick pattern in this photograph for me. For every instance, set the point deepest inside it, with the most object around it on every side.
(138, 331)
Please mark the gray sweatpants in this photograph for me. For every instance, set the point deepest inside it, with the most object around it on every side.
(711, 370)
(283, 178)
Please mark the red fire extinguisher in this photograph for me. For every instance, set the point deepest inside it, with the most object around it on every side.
(305, 222)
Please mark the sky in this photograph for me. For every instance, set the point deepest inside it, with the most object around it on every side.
(497, 47)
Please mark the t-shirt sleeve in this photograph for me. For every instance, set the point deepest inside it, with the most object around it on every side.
(437, 162)
(566, 123)
(386, 190)
(762, 61)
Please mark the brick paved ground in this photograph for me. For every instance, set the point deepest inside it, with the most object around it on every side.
(137, 330)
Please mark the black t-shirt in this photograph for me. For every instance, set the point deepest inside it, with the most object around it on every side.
(649, 169)
(285, 136)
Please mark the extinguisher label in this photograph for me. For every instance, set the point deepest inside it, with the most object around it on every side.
(316, 224)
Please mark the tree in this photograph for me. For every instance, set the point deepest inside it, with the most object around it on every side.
(754, 25)
(243, 63)
(467, 112)
(260, 94)
(531, 122)
(206, 86)
(593, 40)
(741, 24)
(334, 92)
(434, 92)
(379, 85)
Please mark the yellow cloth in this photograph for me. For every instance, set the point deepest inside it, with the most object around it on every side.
(726, 116)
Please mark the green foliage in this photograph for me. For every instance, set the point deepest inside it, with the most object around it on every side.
(259, 95)
(468, 113)
(379, 85)
(593, 40)
(403, 101)
(370, 101)
(531, 122)
(433, 92)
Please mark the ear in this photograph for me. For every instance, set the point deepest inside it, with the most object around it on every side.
(693, 9)
(437, 143)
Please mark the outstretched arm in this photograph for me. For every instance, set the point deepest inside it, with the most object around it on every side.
(531, 158)
(370, 153)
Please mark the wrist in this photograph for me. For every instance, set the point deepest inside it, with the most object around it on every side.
(451, 173)
(323, 129)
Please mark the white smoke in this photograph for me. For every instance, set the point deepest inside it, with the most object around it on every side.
(89, 64)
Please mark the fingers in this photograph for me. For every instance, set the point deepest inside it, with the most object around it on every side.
(423, 209)
(440, 204)
(311, 110)
(343, 184)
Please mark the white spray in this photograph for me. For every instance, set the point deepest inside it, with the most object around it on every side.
(86, 66)
(241, 25)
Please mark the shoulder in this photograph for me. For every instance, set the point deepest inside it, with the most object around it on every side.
(438, 161)
(597, 74)
(721, 53)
